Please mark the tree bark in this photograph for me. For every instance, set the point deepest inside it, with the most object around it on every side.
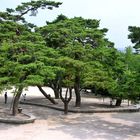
(16, 101)
(66, 99)
(118, 102)
(46, 95)
(55, 85)
(77, 91)
(56, 93)
(65, 108)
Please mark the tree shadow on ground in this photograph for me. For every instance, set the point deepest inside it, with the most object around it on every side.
(135, 116)
(6, 126)
(84, 104)
(89, 126)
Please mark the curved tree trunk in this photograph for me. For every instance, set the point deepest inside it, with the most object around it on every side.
(46, 95)
(16, 101)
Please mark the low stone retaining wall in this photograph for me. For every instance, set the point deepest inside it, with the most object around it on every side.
(78, 110)
(28, 119)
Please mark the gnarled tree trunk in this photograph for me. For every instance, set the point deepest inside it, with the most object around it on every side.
(56, 86)
(66, 99)
(16, 101)
(46, 95)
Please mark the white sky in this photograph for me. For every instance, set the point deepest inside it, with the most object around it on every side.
(116, 15)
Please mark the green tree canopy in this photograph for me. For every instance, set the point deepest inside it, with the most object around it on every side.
(78, 40)
(134, 36)
(24, 54)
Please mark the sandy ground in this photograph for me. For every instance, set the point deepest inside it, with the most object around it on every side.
(52, 124)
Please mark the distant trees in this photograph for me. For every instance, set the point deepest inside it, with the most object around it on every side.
(134, 36)
(134, 60)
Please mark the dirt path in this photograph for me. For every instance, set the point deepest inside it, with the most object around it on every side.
(53, 125)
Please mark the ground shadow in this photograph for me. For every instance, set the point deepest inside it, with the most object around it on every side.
(90, 126)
